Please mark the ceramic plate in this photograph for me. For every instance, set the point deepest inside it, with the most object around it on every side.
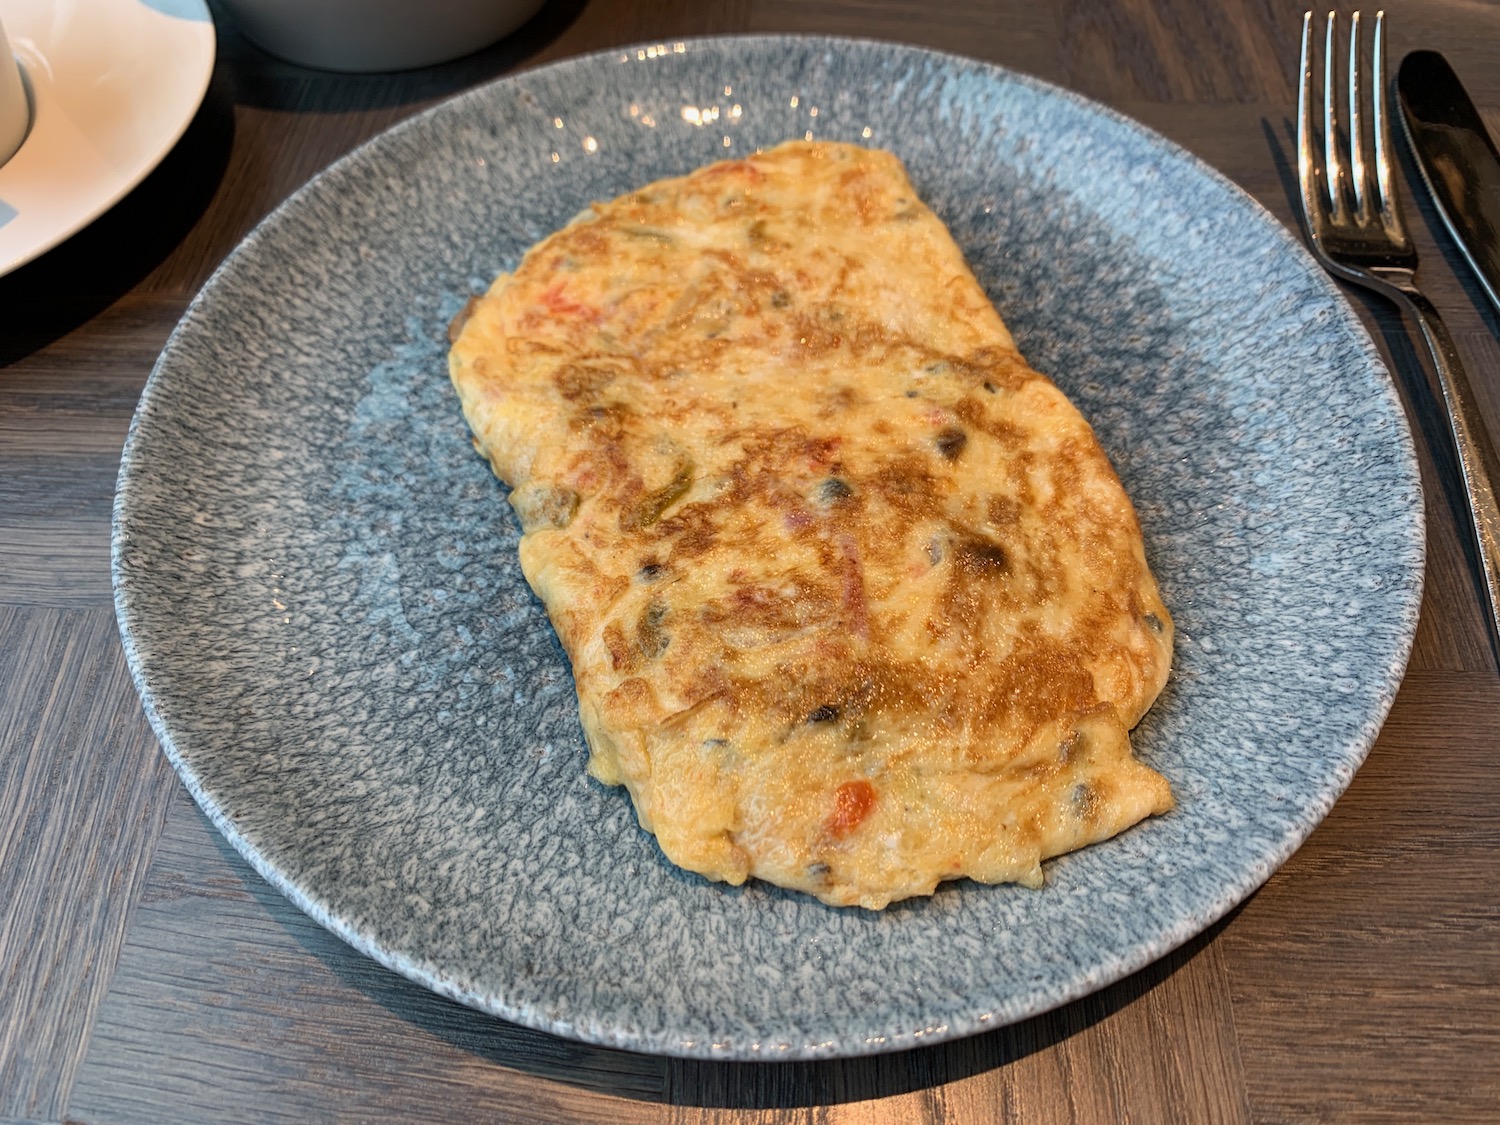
(317, 586)
(113, 85)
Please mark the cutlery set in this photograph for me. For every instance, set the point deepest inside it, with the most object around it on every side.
(1351, 210)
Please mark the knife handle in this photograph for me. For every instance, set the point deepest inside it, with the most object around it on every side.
(1471, 441)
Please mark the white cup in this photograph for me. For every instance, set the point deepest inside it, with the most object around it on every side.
(371, 35)
(15, 109)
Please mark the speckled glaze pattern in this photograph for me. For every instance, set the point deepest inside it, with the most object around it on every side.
(319, 598)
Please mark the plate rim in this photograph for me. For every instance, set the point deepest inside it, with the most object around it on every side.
(1387, 683)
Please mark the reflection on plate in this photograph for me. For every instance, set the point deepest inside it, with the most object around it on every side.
(113, 85)
(317, 589)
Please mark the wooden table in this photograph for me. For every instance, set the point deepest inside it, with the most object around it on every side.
(148, 975)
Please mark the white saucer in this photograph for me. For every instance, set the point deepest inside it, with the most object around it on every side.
(114, 83)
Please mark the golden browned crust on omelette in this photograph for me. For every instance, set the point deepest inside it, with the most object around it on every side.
(854, 600)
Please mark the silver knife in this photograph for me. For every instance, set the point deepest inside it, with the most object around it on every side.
(1457, 159)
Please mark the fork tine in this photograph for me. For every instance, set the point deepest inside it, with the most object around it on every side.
(1307, 170)
(1389, 206)
(1380, 257)
(1333, 158)
(1358, 159)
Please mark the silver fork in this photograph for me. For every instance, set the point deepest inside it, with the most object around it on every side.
(1354, 225)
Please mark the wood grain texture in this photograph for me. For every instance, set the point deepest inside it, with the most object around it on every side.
(223, 987)
(1362, 983)
(1178, 50)
(63, 418)
(225, 991)
(85, 793)
(1368, 966)
(1021, 36)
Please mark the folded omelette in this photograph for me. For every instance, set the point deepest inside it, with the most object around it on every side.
(854, 600)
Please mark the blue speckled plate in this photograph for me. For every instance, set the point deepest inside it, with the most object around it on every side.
(317, 587)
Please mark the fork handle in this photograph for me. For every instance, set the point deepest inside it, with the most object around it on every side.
(1476, 455)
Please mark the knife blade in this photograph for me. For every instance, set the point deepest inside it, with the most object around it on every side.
(1457, 159)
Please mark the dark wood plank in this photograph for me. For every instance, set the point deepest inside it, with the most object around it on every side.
(1467, 33)
(610, 23)
(283, 1002)
(1158, 1046)
(1176, 50)
(85, 791)
(225, 993)
(1113, 1056)
(1014, 33)
(1166, 1052)
(1366, 977)
(1246, 50)
(1360, 984)
(49, 564)
(64, 412)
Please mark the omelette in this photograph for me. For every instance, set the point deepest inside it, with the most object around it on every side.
(854, 600)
